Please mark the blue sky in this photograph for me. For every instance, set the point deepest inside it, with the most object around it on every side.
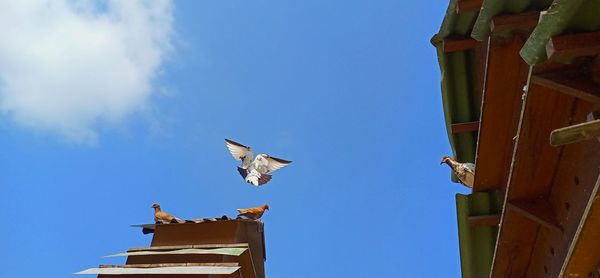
(348, 90)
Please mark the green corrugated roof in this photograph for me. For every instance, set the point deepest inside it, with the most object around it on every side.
(461, 102)
(489, 9)
(476, 243)
(563, 15)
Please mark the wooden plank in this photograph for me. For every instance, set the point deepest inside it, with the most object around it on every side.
(458, 44)
(190, 246)
(573, 45)
(511, 257)
(509, 22)
(464, 127)
(504, 80)
(534, 159)
(577, 86)
(574, 180)
(484, 220)
(538, 211)
(530, 178)
(166, 265)
(575, 133)
(560, 177)
(465, 6)
(584, 253)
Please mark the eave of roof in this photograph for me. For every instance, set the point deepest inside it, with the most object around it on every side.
(476, 242)
(457, 82)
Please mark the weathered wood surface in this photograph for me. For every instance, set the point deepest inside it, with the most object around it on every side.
(575, 133)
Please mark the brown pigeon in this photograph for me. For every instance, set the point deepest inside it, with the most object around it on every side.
(161, 217)
(253, 213)
(465, 172)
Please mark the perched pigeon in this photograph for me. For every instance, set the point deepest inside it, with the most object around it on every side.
(255, 170)
(253, 213)
(465, 172)
(161, 217)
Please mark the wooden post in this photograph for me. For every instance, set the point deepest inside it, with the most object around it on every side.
(575, 133)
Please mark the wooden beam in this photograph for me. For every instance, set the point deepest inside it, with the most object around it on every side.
(575, 133)
(484, 220)
(538, 211)
(584, 251)
(521, 21)
(577, 86)
(458, 44)
(573, 45)
(504, 79)
(464, 127)
(465, 6)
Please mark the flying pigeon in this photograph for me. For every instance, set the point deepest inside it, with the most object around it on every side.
(253, 213)
(161, 217)
(465, 172)
(255, 170)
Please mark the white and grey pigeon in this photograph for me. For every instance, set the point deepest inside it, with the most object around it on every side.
(255, 170)
(465, 172)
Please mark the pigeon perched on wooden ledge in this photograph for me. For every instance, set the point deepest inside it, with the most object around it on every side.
(161, 217)
(255, 170)
(253, 213)
(465, 172)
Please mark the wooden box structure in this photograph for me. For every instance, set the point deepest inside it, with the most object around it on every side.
(199, 248)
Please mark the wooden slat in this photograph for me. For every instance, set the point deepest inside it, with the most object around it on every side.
(465, 6)
(484, 220)
(575, 133)
(531, 175)
(584, 253)
(521, 21)
(511, 257)
(505, 78)
(166, 265)
(573, 181)
(578, 86)
(464, 127)
(191, 246)
(573, 45)
(458, 44)
(538, 211)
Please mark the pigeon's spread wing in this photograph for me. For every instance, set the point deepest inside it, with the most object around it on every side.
(243, 172)
(276, 163)
(237, 150)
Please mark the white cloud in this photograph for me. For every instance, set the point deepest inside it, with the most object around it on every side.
(66, 66)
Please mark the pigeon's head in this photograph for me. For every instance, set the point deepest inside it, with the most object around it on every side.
(445, 159)
(155, 206)
(265, 207)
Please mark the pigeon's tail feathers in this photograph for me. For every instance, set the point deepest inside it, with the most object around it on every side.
(264, 178)
(258, 180)
(253, 179)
